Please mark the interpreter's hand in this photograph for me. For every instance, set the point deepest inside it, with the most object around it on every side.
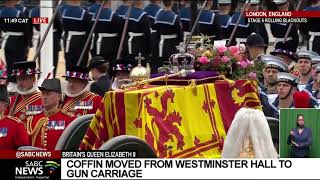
(292, 133)
(295, 144)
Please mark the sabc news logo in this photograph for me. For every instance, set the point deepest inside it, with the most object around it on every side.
(37, 168)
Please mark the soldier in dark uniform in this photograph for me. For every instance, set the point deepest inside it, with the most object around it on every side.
(105, 41)
(76, 24)
(244, 27)
(12, 131)
(152, 10)
(185, 17)
(93, 8)
(312, 28)
(57, 34)
(279, 30)
(224, 19)
(79, 100)
(208, 23)
(17, 38)
(304, 65)
(99, 68)
(46, 128)
(138, 39)
(167, 25)
(27, 101)
(123, 8)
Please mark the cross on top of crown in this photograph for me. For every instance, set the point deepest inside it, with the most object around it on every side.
(181, 47)
(139, 58)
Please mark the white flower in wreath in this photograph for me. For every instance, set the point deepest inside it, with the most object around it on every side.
(74, 74)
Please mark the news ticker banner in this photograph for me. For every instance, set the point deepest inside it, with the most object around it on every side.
(24, 20)
(125, 165)
(282, 16)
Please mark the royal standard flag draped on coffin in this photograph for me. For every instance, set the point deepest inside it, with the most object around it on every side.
(176, 121)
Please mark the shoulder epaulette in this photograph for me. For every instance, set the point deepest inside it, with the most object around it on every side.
(14, 119)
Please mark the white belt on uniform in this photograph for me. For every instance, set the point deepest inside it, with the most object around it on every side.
(162, 38)
(102, 35)
(312, 36)
(132, 34)
(70, 34)
(6, 36)
(281, 39)
(241, 40)
(185, 35)
(152, 30)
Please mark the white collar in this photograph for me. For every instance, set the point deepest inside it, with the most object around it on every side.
(87, 88)
(32, 90)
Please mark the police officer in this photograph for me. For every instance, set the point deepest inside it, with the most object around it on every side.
(123, 8)
(17, 37)
(152, 10)
(79, 100)
(305, 66)
(224, 19)
(12, 131)
(99, 68)
(76, 24)
(46, 128)
(185, 17)
(244, 27)
(208, 22)
(167, 25)
(312, 28)
(279, 30)
(105, 41)
(27, 102)
(138, 39)
(57, 34)
(256, 46)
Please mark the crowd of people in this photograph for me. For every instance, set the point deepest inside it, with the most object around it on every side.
(37, 114)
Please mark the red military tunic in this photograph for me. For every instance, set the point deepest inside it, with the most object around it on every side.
(12, 134)
(86, 103)
(26, 106)
(46, 128)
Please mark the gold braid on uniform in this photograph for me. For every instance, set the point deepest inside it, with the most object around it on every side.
(34, 132)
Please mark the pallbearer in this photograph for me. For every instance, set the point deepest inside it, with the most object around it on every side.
(167, 25)
(12, 131)
(46, 128)
(79, 100)
(27, 102)
(77, 24)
